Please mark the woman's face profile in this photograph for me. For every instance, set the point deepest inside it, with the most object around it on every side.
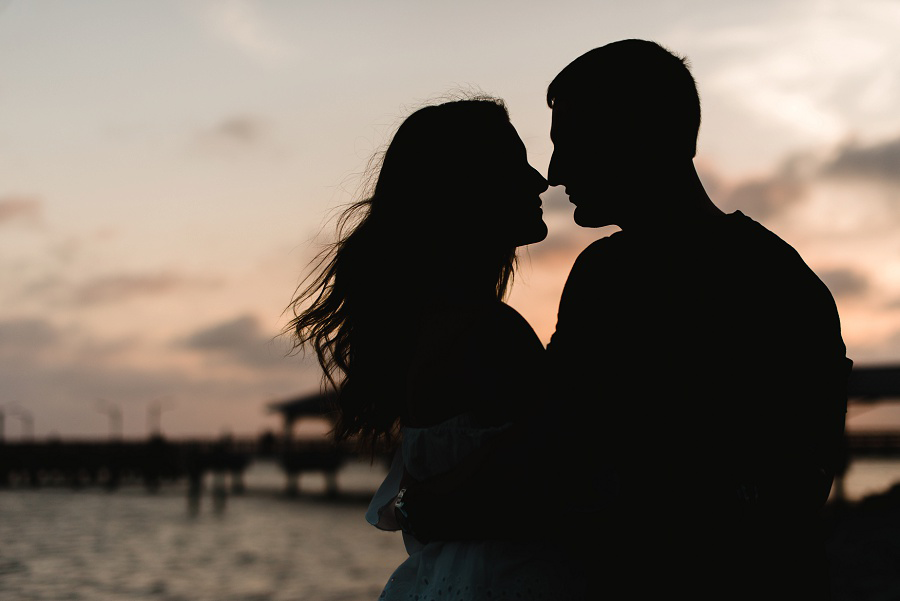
(505, 189)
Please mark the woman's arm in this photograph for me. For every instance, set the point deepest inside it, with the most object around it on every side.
(527, 483)
(493, 489)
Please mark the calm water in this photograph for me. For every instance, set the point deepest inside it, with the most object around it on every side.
(128, 545)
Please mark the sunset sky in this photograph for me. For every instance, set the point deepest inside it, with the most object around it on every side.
(168, 168)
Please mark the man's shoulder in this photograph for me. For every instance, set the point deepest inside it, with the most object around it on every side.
(773, 265)
(747, 232)
(597, 270)
(607, 250)
(612, 243)
(762, 246)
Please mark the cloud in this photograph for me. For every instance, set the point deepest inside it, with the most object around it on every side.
(845, 282)
(58, 373)
(29, 339)
(239, 129)
(879, 162)
(237, 135)
(712, 181)
(228, 335)
(241, 340)
(782, 87)
(61, 394)
(240, 23)
(19, 207)
(26, 336)
(46, 286)
(66, 250)
(57, 287)
(764, 197)
(123, 287)
(768, 196)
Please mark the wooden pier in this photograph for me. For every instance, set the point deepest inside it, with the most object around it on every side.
(870, 386)
(151, 461)
(78, 463)
(110, 463)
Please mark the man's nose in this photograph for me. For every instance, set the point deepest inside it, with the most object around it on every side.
(553, 171)
(539, 182)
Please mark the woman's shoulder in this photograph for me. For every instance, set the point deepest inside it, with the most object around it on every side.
(468, 357)
(486, 322)
(508, 326)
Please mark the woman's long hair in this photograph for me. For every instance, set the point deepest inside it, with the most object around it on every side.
(359, 306)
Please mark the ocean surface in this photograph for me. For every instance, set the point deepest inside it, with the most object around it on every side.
(89, 544)
(93, 545)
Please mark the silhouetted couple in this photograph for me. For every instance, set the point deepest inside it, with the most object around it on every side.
(679, 434)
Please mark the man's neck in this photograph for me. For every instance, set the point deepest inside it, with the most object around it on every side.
(674, 203)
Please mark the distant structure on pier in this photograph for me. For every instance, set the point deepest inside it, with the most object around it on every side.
(871, 384)
(78, 462)
(292, 410)
(302, 456)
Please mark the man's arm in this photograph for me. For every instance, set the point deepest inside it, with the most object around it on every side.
(797, 370)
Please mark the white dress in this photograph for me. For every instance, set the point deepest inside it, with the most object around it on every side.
(464, 570)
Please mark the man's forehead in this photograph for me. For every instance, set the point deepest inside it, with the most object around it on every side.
(568, 117)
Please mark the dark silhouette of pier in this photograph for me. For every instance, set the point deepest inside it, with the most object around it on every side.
(870, 386)
(79, 463)
(154, 460)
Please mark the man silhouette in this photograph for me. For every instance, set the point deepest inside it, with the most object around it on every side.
(711, 350)
(696, 357)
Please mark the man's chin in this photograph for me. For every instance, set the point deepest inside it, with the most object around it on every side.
(587, 218)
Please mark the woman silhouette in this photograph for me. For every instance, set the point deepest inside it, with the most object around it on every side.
(406, 317)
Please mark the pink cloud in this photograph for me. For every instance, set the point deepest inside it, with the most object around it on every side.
(19, 207)
(117, 288)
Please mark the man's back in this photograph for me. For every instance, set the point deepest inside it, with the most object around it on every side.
(715, 358)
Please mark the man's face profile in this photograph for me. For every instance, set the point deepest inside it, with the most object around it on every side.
(590, 158)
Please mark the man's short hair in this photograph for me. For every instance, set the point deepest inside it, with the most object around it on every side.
(642, 85)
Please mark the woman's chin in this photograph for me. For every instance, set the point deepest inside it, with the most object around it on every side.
(535, 234)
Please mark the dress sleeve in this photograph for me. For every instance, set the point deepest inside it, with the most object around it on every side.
(501, 495)
(485, 452)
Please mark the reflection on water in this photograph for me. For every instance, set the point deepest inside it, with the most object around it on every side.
(870, 476)
(93, 545)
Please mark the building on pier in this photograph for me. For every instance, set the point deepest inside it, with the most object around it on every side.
(317, 405)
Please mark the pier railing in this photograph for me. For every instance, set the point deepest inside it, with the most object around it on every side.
(152, 461)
